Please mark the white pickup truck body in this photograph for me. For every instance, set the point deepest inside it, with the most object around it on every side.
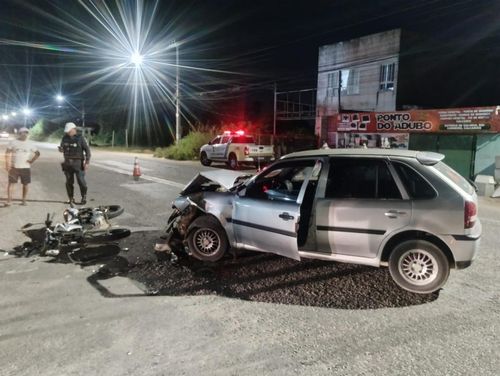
(235, 149)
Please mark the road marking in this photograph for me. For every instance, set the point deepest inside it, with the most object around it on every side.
(145, 177)
(123, 166)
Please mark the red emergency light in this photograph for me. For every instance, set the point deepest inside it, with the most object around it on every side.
(240, 133)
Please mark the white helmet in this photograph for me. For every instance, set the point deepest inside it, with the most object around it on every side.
(69, 126)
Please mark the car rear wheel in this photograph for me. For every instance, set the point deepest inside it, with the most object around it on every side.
(204, 159)
(419, 266)
(207, 239)
(233, 162)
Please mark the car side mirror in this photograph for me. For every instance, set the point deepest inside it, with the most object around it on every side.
(209, 142)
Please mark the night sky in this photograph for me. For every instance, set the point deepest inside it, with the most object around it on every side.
(242, 47)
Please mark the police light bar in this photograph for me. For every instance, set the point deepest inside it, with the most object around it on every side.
(240, 133)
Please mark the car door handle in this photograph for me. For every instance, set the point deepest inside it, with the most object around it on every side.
(394, 213)
(286, 216)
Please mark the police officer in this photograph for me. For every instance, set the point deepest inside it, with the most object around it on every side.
(76, 160)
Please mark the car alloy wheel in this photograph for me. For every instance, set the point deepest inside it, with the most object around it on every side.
(418, 267)
(207, 241)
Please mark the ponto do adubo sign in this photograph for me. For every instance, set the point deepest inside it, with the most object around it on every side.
(400, 121)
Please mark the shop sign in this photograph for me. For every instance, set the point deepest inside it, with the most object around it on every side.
(473, 119)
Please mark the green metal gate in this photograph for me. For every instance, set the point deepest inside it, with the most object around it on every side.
(458, 148)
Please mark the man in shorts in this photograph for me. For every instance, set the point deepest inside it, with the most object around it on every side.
(19, 157)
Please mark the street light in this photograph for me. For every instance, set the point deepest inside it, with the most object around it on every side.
(27, 111)
(13, 113)
(5, 117)
(136, 58)
(61, 98)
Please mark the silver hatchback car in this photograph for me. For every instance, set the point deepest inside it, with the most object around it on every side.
(403, 209)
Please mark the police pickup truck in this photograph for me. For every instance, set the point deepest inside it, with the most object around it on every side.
(235, 148)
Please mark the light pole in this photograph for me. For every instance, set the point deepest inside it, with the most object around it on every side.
(178, 131)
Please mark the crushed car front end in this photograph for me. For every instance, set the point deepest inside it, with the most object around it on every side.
(205, 201)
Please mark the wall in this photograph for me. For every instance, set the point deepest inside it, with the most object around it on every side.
(488, 146)
(366, 54)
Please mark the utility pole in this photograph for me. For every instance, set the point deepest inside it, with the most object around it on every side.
(83, 117)
(178, 131)
(274, 116)
(340, 88)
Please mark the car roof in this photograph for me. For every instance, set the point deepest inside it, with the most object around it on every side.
(423, 157)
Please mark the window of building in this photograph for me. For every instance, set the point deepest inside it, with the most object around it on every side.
(361, 178)
(387, 74)
(350, 81)
(333, 84)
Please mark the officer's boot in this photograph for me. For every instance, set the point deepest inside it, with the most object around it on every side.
(84, 196)
(69, 190)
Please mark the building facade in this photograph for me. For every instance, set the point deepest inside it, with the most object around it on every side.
(373, 92)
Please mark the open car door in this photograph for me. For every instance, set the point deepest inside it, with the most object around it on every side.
(266, 213)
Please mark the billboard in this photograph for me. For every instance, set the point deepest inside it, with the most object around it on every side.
(450, 120)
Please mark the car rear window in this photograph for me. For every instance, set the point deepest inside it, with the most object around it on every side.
(416, 186)
(360, 178)
(243, 140)
(455, 177)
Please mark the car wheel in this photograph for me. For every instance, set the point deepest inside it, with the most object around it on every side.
(207, 239)
(204, 159)
(419, 266)
(233, 162)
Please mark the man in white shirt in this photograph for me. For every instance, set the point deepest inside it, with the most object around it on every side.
(19, 157)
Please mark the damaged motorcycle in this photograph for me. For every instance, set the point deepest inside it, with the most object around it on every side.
(85, 234)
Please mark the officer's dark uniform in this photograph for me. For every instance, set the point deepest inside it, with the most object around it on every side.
(76, 153)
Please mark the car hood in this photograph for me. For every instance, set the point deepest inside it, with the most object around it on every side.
(224, 178)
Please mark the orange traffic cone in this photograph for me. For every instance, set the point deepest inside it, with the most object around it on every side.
(137, 170)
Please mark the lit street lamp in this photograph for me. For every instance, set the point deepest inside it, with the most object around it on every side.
(27, 111)
(5, 117)
(61, 98)
(136, 58)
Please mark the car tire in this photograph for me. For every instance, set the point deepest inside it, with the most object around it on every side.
(204, 159)
(419, 266)
(233, 162)
(207, 239)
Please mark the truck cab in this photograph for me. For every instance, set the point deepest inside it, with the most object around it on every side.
(235, 149)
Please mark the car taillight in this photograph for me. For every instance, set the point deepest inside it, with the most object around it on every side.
(470, 214)
(247, 150)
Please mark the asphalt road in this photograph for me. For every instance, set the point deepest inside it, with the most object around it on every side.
(260, 315)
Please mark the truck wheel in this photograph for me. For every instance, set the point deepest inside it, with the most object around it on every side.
(207, 239)
(204, 159)
(233, 162)
(419, 266)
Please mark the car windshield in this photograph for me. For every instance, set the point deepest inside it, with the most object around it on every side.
(455, 177)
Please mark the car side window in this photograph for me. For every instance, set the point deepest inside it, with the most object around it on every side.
(282, 182)
(361, 178)
(224, 140)
(416, 186)
(215, 141)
